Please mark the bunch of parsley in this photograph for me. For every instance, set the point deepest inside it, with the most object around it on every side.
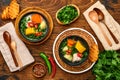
(107, 66)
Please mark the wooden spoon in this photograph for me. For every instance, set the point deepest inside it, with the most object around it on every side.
(7, 39)
(101, 18)
(94, 17)
(14, 47)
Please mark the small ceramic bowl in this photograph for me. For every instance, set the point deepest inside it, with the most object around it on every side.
(67, 12)
(39, 70)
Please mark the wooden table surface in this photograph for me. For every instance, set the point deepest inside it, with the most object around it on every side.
(51, 6)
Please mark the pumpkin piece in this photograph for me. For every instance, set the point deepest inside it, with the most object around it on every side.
(70, 42)
(36, 18)
(80, 47)
(29, 31)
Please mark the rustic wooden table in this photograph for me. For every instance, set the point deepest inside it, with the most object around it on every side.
(51, 6)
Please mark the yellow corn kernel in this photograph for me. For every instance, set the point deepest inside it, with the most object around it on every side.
(80, 47)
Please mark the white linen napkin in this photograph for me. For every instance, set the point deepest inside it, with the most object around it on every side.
(23, 53)
(109, 21)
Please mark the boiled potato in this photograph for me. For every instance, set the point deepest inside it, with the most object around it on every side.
(43, 25)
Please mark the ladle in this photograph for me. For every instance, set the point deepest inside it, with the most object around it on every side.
(94, 17)
(7, 39)
(101, 18)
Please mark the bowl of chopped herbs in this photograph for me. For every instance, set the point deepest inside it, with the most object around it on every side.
(67, 14)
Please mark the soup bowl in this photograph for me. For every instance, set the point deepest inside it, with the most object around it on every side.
(34, 25)
(71, 52)
(67, 63)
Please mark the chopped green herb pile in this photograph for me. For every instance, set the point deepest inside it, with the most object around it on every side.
(107, 66)
(67, 14)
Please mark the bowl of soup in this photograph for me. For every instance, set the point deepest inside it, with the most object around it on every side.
(71, 50)
(34, 25)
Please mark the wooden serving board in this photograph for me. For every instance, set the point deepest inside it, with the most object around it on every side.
(110, 22)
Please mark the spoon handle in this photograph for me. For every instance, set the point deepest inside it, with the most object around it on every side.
(14, 47)
(104, 34)
(13, 56)
(113, 36)
(18, 58)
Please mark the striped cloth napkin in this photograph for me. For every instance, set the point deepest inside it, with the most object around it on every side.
(23, 53)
